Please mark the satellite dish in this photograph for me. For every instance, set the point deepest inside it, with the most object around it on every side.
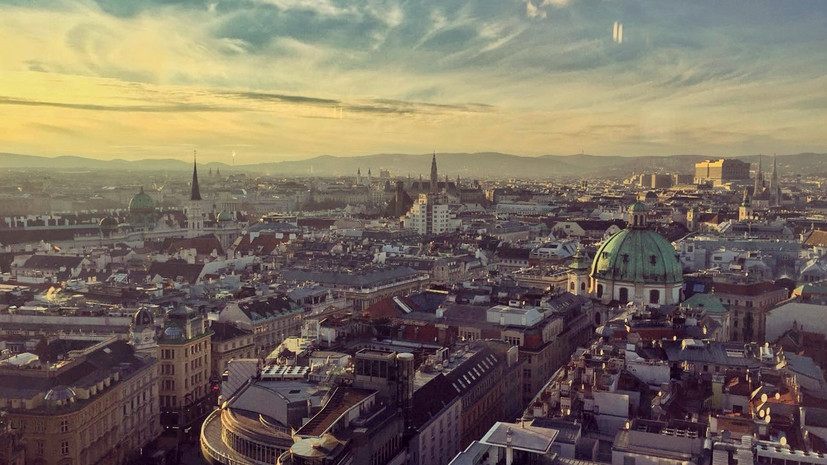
(777, 396)
(763, 398)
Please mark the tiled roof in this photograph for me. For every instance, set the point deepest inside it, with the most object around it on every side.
(173, 269)
(52, 262)
(365, 279)
(203, 245)
(430, 399)
(817, 238)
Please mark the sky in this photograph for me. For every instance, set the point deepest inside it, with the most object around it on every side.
(268, 80)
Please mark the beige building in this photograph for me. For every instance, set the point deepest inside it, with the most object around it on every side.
(184, 382)
(271, 318)
(81, 402)
(229, 342)
(721, 171)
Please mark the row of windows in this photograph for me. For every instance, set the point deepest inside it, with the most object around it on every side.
(253, 450)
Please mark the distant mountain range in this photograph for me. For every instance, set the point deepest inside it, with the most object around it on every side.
(466, 165)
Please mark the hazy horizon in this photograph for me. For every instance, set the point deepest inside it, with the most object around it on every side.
(289, 80)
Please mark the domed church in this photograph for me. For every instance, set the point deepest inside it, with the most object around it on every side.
(636, 264)
(142, 211)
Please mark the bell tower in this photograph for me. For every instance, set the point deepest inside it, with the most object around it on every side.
(194, 212)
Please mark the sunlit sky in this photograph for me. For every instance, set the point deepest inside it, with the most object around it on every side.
(287, 79)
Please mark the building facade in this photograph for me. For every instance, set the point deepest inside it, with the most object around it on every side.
(98, 405)
(184, 350)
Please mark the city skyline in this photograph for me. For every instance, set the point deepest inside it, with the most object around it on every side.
(276, 80)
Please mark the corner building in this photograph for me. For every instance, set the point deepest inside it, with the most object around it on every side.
(95, 405)
(636, 264)
(184, 381)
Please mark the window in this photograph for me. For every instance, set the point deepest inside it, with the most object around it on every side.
(599, 291)
(39, 448)
(653, 259)
(583, 286)
(64, 448)
(654, 296)
(64, 426)
(623, 295)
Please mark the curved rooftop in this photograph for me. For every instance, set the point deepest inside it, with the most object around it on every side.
(142, 317)
(141, 203)
(637, 256)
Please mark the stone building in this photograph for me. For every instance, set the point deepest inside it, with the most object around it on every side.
(184, 382)
(81, 402)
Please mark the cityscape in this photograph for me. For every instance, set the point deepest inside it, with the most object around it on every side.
(378, 232)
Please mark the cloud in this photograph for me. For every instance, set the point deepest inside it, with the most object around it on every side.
(512, 76)
(173, 108)
(533, 11)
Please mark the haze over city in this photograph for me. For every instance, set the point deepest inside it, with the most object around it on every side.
(271, 80)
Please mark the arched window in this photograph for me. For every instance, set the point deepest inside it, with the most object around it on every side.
(583, 286)
(623, 295)
(599, 291)
(654, 296)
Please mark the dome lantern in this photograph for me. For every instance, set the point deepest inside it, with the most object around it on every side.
(637, 216)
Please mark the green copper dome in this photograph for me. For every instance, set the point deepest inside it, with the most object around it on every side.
(141, 203)
(637, 207)
(637, 255)
(225, 216)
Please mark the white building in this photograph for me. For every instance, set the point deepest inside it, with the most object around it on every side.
(429, 215)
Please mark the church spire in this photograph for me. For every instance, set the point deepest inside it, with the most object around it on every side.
(774, 178)
(434, 178)
(759, 178)
(196, 192)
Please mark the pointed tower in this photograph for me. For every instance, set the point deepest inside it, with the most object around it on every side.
(434, 177)
(578, 274)
(759, 179)
(359, 176)
(774, 187)
(195, 217)
(745, 212)
(196, 191)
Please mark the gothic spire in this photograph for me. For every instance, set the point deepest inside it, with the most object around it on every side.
(759, 179)
(196, 192)
(434, 178)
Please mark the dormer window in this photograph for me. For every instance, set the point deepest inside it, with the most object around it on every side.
(653, 259)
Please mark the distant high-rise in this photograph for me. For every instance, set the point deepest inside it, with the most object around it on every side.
(428, 216)
(721, 171)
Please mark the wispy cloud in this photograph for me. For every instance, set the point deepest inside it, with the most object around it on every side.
(382, 75)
